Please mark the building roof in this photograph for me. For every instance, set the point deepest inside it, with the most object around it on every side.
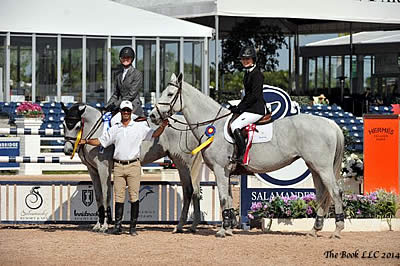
(310, 16)
(371, 37)
(364, 43)
(92, 17)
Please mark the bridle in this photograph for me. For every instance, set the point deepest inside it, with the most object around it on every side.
(172, 102)
(93, 130)
(171, 105)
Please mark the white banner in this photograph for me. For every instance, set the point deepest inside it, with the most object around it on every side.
(36, 202)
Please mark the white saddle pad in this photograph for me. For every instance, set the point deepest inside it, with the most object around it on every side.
(263, 133)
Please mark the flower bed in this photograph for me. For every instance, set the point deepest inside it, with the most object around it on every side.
(297, 214)
(379, 204)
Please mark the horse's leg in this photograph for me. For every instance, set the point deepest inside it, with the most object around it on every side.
(321, 211)
(225, 198)
(329, 180)
(97, 192)
(187, 196)
(104, 173)
(196, 212)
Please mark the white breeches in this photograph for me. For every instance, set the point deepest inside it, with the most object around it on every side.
(245, 119)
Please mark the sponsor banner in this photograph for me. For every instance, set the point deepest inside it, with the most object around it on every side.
(9, 147)
(46, 202)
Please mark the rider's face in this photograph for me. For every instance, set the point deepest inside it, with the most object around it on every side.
(246, 61)
(126, 61)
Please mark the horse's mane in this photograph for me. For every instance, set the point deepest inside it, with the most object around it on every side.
(203, 97)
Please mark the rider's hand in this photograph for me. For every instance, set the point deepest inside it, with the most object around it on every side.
(234, 109)
(110, 108)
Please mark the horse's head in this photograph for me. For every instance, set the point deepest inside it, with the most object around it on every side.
(73, 122)
(170, 101)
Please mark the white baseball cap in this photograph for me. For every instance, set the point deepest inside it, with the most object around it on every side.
(126, 104)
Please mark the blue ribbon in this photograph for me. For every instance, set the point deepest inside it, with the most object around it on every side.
(107, 123)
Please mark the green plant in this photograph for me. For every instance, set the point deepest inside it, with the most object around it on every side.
(379, 204)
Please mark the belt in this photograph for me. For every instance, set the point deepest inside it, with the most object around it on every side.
(125, 162)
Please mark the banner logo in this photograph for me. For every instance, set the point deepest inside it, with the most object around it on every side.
(34, 200)
(87, 197)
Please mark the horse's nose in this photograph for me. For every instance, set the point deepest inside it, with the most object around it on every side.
(67, 150)
(153, 117)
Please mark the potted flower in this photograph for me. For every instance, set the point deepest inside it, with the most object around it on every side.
(352, 173)
(29, 115)
(30, 110)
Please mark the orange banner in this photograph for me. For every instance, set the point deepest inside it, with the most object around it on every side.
(381, 153)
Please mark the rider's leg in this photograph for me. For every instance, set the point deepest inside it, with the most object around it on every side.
(243, 120)
(241, 144)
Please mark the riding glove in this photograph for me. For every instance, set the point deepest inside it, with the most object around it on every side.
(234, 109)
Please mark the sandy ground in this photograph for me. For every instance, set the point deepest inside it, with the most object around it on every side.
(156, 245)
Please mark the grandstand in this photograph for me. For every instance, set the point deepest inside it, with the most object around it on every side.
(346, 120)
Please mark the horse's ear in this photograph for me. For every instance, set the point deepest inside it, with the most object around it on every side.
(173, 78)
(180, 78)
(81, 109)
(63, 107)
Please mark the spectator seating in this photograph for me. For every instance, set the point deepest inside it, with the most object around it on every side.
(345, 120)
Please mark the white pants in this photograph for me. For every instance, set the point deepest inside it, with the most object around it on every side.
(245, 119)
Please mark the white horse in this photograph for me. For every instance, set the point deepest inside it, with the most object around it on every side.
(174, 144)
(318, 141)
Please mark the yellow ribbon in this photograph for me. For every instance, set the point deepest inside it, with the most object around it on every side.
(202, 145)
(78, 138)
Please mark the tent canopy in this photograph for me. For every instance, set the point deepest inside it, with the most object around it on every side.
(91, 17)
(304, 17)
(374, 42)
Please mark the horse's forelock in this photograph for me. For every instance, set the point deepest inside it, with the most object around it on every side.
(72, 116)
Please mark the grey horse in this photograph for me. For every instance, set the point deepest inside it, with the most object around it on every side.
(174, 144)
(317, 140)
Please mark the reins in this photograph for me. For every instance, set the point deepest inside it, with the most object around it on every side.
(171, 106)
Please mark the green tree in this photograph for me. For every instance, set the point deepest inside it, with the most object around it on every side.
(265, 38)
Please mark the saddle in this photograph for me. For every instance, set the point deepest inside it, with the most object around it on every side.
(266, 119)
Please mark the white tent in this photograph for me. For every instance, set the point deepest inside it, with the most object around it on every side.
(91, 17)
(362, 38)
(310, 16)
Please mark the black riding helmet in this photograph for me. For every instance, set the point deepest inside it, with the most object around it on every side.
(248, 51)
(127, 52)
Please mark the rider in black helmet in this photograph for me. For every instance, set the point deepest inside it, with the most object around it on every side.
(128, 84)
(252, 106)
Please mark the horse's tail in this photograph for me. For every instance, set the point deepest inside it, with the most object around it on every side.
(337, 164)
(195, 173)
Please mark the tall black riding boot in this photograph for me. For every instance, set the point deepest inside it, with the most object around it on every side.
(119, 212)
(134, 217)
(241, 144)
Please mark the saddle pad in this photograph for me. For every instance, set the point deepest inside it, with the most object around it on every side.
(263, 133)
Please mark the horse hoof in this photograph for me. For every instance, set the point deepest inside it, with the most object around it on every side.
(220, 234)
(336, 236)
(229, 232)
(313, 233)
(192, 230)
(103, 230)
(177, 231)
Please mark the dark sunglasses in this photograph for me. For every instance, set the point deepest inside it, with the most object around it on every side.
(126, 110)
